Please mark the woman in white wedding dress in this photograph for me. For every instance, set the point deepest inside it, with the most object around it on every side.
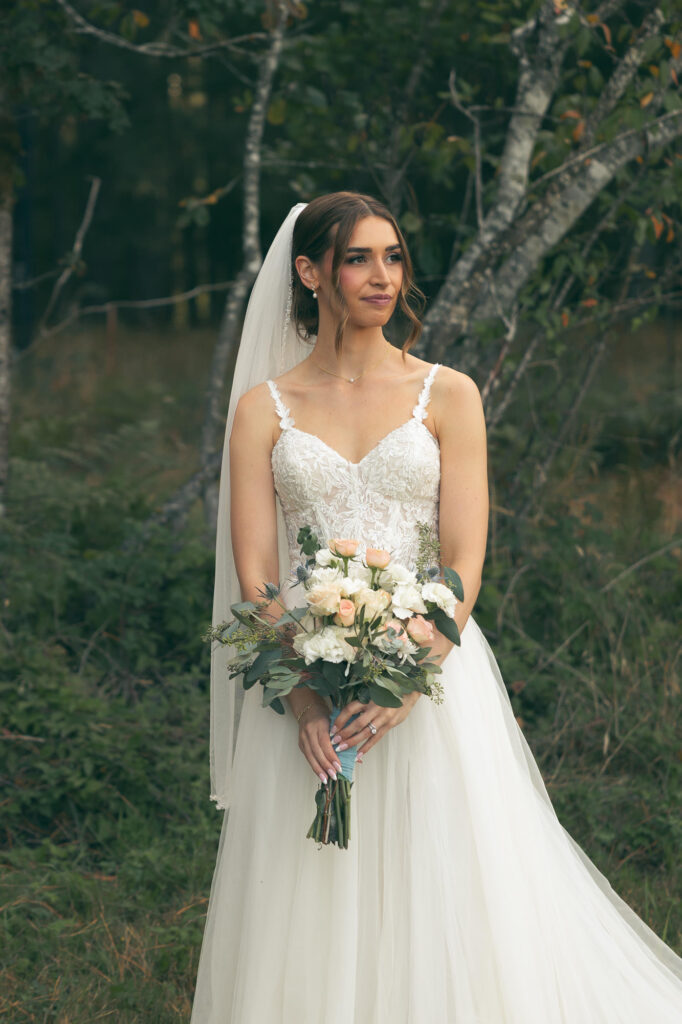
(461, 898)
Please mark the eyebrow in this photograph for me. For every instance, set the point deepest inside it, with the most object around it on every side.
(357, 248)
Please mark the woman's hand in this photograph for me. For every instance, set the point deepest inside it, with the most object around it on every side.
(314, 741)
(358, 733)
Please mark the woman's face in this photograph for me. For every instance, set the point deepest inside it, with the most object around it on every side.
(371, 274)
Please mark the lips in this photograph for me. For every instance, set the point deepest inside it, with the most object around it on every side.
(378, 300)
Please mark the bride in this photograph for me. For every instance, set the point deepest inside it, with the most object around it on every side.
(461, 898)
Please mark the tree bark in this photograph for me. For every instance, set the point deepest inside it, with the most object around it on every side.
(229, 329)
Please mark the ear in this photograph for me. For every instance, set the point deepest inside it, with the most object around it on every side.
(307, 272)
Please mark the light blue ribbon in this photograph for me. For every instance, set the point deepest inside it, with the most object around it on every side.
(348, 756)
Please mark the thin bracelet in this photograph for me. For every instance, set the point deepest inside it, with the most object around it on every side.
(300, 715)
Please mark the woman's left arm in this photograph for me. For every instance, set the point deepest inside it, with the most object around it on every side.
(459, 422)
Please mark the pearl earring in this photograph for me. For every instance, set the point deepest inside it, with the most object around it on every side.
(314, 295)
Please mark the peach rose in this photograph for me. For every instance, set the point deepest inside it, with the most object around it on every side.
(344, 548)
(421, 630)
(324, 599)
(377, 558)
(346, 613)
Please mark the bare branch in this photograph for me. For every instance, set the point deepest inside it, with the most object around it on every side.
(74, 255)
(552, 217)
(478, 177)
(253, 258)
(108, 307)
(157, 48)
(622, 76)
(538, 81)
(395, 174)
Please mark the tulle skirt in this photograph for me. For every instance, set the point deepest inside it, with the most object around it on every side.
(461, 898)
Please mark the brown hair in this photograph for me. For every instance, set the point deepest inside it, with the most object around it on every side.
(313, 236)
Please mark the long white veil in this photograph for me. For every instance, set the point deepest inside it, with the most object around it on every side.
(269, 346)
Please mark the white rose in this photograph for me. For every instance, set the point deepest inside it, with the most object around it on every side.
(373, 601)
(395, 573)
(406, 600)
(328, 644)
(440, 595)
(324, 599)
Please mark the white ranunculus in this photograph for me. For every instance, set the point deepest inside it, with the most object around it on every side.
(330, 574)
(406, 600)
(395, 573)
(350, 585)
(328, 644)
(441, 595)
(325, 557)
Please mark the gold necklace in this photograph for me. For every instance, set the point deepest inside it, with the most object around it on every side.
(351, 380)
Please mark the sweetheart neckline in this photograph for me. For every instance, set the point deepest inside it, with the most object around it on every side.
(349, 462)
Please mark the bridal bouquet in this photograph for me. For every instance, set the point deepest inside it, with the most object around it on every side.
(362, 634)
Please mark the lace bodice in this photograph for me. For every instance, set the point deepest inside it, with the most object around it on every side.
(378, 500)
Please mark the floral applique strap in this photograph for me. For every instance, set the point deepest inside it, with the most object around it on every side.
(285, 417)
(419, 411)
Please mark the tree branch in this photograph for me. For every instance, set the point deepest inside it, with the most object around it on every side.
(547, 223)
(74, 255)
(153, 49)
(538, 81)
(228, 333)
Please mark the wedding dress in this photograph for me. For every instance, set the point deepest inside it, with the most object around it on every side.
(461, 898)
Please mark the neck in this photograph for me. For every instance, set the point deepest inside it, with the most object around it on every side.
(361, 348)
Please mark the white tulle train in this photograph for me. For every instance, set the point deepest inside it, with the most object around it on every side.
(461, 900)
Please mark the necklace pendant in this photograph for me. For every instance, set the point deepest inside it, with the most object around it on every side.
(351, 380)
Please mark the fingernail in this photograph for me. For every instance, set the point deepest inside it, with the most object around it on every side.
(323, 777)
(359, 759)
(341, 746)
(333, 774)
(337, 766)
(333, 733)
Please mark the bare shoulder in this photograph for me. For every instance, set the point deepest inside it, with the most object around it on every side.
(452, 385)
(457, 402)
(255, 412)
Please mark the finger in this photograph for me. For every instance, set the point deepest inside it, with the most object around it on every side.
(347, 712)
(361, 714)
(372, 741)
(360, 734)
(327, 762)
(311, 758)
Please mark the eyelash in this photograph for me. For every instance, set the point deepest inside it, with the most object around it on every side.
(397, 255)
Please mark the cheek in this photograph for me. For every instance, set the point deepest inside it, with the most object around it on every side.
(349, 279)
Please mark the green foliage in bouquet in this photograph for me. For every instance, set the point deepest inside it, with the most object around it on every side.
(366, 659)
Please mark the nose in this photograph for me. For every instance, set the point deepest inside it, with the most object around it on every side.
(380, 273)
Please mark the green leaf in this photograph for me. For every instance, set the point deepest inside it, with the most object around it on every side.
(383, 697)
(454, 582)
(446, 625)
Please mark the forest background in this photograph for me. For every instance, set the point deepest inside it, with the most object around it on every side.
(533, 155)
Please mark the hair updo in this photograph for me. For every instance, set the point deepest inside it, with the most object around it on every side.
(314, 235)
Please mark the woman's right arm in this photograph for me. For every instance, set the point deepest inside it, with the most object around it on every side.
(253, 515)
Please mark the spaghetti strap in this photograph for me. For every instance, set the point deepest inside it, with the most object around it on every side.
(419, 411)
(285, 417)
